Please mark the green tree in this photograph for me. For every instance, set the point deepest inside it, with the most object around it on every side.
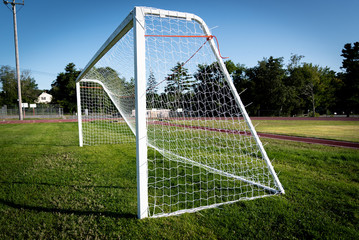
(212, 93)
(151, 92)
(179, 83)
(309, 86)
(349, 93)
(328, 85)
(152, 84)
(8, 93)
(243, 85)
(268, 89)
(294, 83)
(63, 89)
(109, 77)
(29, 88)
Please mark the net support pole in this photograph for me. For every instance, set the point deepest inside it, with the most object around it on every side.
(239, 102)
(141, 129)
(79, 113)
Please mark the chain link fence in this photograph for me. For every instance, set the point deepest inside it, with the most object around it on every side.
(38, 111)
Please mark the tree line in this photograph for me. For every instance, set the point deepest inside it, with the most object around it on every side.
(270, 88)
(299, 87)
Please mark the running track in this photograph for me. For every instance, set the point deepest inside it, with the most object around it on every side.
(261, 135)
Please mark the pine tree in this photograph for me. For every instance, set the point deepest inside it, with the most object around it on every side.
(350, 90)
(152, 88)
(152, 84)
(179, 84)
(180, 81)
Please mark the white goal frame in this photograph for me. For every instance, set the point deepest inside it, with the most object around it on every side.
(136, 21)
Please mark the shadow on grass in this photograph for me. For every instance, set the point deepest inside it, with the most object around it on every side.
(31, 144)
(68, 185)
(48, 144)
(67, 211)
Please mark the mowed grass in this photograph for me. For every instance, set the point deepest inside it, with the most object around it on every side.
(325, 129)
(334, 130)
(52, 189)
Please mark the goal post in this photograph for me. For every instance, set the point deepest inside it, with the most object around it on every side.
(159, 81)
(140, 112)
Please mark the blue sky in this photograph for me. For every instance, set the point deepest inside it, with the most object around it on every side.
(53, 33)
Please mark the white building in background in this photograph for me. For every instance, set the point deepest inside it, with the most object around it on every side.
(44, 98)
(155, 113)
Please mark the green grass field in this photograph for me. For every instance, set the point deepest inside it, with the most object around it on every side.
(334, 130)
(50, 188)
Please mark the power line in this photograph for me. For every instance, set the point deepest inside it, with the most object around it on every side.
(33, 71)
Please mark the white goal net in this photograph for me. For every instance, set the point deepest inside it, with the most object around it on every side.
(197, 147)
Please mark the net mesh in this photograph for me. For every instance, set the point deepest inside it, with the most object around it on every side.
(200, 150)
(108, 97)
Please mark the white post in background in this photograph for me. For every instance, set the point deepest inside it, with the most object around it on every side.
(79, 112)
(141, 129)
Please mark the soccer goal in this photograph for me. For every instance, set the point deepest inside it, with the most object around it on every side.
(159, 81)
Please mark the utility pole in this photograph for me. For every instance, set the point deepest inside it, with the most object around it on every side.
(13, 6)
